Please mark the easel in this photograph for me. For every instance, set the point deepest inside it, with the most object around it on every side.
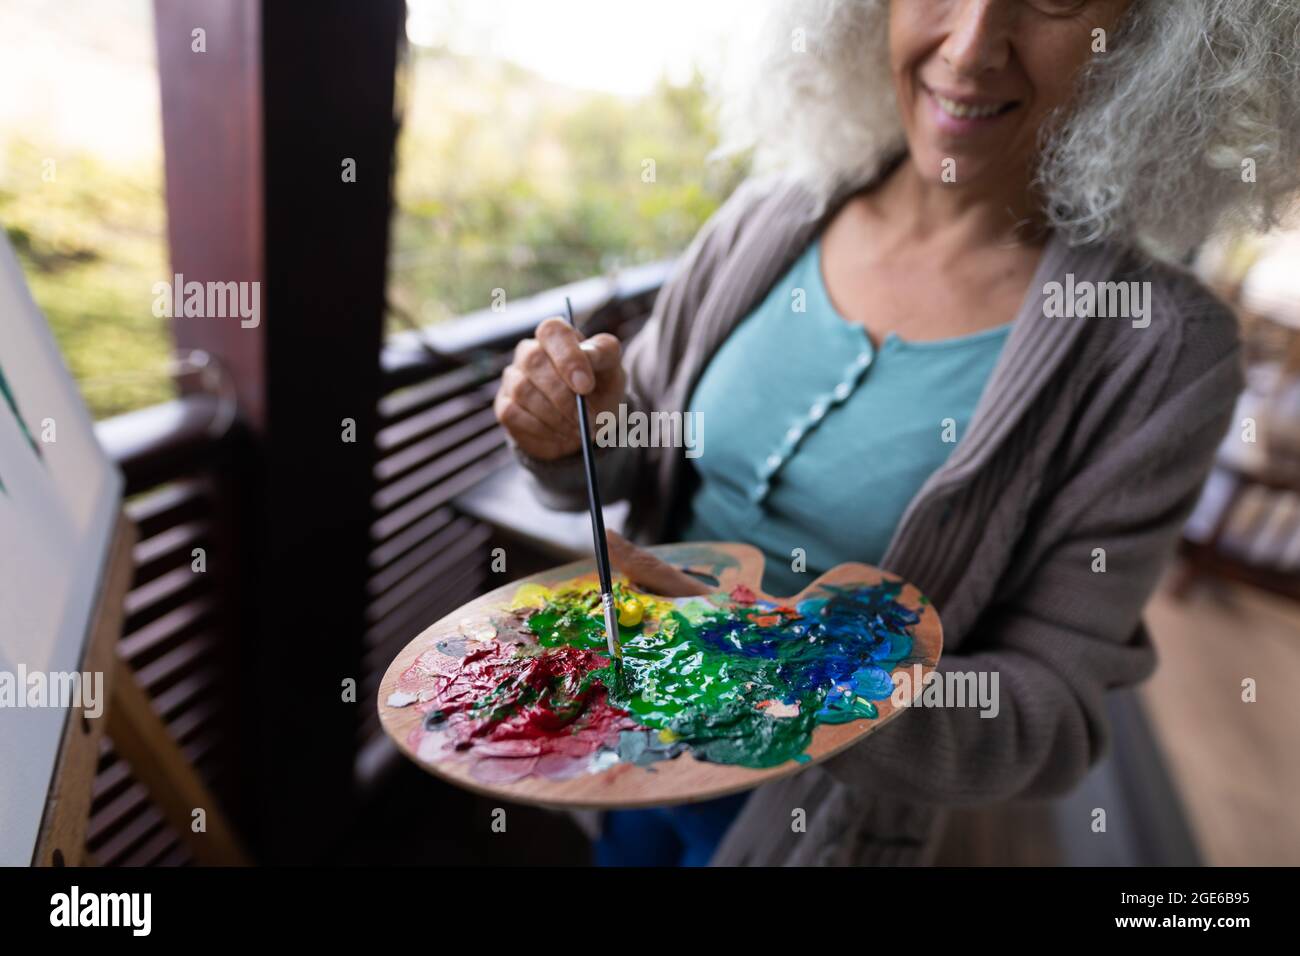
(138, 735)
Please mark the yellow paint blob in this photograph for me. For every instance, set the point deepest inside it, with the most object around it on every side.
(532, 595)
(630, 612)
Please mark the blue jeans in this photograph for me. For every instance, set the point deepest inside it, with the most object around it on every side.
(667, 836)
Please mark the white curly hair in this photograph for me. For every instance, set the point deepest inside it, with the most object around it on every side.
(1152, 153)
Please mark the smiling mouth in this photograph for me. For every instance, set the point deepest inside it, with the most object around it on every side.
(971, 111)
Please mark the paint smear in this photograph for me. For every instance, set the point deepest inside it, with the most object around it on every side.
(728, 677)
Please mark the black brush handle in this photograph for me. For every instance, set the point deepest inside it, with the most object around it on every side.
(593, 486)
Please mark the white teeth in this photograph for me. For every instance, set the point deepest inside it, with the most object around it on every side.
(962, 111)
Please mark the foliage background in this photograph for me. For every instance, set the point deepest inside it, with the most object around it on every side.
(504, 180)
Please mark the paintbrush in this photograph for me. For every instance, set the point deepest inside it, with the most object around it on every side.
(598, 525)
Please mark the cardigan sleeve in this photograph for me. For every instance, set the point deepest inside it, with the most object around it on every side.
(1066, 634)
(649, 361)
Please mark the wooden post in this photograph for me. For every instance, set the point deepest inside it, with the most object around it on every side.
(256, 141)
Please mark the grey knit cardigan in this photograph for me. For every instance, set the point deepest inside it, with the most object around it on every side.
(1090, 434)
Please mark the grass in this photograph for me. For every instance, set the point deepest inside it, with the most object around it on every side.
(90, 239)
(503, 182)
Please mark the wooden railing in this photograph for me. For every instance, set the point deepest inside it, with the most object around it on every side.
(177, 619)
(437, 437)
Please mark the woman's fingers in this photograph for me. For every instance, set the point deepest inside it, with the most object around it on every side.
(524, 388)
(532, 360)
(536, 401)
(648, 572)
(606, 355)
(562, 345)
(530, 433)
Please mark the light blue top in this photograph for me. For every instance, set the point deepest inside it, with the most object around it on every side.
(815, 438)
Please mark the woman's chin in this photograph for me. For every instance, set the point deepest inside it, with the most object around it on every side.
(956, 168)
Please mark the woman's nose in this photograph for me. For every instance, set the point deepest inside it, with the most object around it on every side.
(979, 37)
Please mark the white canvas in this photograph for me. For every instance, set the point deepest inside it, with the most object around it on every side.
(57, 507)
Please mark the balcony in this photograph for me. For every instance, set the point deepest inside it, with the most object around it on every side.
(437, 440)
(324, 557)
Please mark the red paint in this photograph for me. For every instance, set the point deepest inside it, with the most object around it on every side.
(513, 711)
(740, 594)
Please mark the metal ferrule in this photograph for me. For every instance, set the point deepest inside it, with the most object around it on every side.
(611, 626)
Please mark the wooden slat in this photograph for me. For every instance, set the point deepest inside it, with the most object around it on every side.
(430, 578)
(463, 427)
(157, 443)
(158, 510)
(161, 635)
(178, 855)
(184, 695)
(148, 854)
(117, 813)
(141, 738)
(205, 751)
(137, 828)
(441, 494)
(411, 617)
(170, 549)
(457, 447)
(396, 547)
(149, 602)
(186, 726)
(112, 777)
(394, 441)
(410, 400)
(166, 670)
(420, 555)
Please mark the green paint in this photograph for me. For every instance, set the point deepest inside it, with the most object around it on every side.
(7, 394)
(737, 684)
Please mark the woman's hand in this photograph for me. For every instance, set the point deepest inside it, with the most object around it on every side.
(536, 404)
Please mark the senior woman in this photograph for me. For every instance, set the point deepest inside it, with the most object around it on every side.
(874, 335)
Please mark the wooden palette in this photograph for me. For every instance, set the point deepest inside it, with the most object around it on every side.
(683, 779)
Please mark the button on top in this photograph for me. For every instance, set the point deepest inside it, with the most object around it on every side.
(797, 431)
